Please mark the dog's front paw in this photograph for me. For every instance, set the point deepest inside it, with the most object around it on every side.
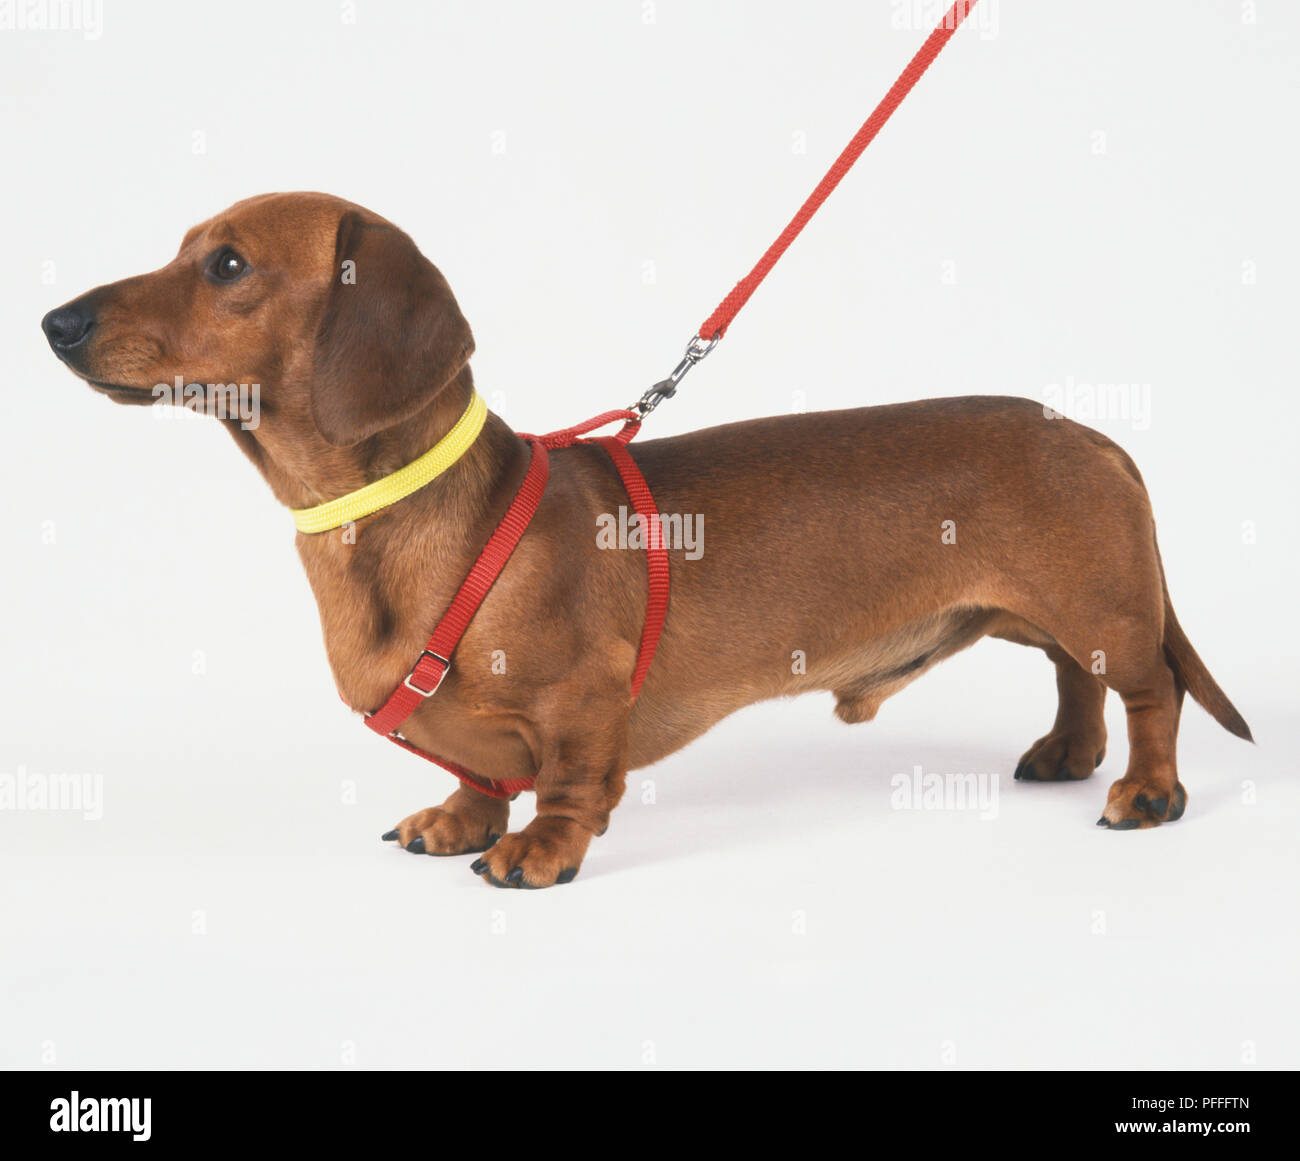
(547, 851)
(1133, 804)
(446, 830)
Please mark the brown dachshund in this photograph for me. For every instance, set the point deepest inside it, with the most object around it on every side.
(848, 551)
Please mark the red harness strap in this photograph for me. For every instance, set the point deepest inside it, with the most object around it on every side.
(656, 610)
(435, 660)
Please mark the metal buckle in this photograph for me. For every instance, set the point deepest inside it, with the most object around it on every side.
(696, 349)
(446, 665)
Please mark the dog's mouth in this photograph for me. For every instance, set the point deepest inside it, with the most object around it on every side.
(121, 393)
(79, 361)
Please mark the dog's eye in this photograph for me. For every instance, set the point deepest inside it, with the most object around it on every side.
(227, 265)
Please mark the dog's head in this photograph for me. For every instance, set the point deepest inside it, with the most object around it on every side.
(346, 328)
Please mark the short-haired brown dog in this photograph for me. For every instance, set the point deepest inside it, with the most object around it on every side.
(873, 543)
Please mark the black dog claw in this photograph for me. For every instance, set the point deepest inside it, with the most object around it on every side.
(1102, 821)
(1125, 824)
(478, 866)
(567, 875)
(388, 836)
(516, 876)
(416, 845)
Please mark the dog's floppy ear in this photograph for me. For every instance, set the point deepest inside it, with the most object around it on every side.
(390, 336)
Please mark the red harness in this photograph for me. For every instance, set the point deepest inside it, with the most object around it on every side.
(431, 667)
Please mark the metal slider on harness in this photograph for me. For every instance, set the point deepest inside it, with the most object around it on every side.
(410, 684)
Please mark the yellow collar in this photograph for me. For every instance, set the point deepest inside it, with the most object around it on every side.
(404, 481)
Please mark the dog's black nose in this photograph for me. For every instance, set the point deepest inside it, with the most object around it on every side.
(66, 326)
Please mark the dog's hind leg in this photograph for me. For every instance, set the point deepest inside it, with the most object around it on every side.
(1132, 661)
(1076, 743)
(1149, 792)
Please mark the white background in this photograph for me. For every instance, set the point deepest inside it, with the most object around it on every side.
(592, 177)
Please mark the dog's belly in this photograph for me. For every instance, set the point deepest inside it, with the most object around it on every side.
(862, 675)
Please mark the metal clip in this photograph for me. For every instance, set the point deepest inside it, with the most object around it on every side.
(696, 349)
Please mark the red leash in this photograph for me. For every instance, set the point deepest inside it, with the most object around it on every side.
(433, 663)
(715, 326)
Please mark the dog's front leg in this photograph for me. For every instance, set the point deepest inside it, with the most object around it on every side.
(581, 778)
(467, 822)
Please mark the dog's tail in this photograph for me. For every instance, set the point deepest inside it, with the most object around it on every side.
(1191, 671)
